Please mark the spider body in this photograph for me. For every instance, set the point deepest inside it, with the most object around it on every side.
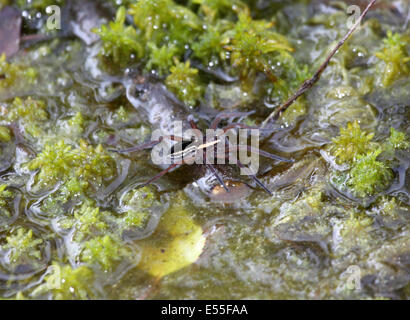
(187, 151)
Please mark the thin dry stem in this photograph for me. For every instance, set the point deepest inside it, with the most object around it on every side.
(315, 78)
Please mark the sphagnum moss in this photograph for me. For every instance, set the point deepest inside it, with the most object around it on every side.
(351, 143)
(219, 33)
(22, 245)
(395, 57)
(367, 175)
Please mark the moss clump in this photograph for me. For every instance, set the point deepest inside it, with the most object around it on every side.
(395, 57)
(137, 205)
(6, 199)
(368, 175)
(354, 225)
(5, 195)
(120, 42)
(54, 162)
(105, 251)
(387, 207)
(93, 163)
(184, 82)
(67, 283)
(77, 122)
(289, 75)
(22, 245)
(351, 143)
(61, 161)
(87, 220)
(29, 113)
(161, 59)
(397, 140)
(164, 21)
(252, 45)
(217, 32)
(13, 74)
(72, 190)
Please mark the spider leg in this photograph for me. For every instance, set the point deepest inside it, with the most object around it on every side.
(214, 172)
(159, 175)
(262, 153)
(257, 181)
(254, 178)
(217, 176)
(147, 145)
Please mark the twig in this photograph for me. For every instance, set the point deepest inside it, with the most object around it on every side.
(310, 82)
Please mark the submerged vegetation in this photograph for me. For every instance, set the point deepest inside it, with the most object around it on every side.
(75, 225)
(367, 175)
(220, 34)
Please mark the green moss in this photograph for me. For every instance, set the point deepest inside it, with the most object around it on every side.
(29, 109)
(120, 42)
(67, 283)
(289, 76)
(397, 140)
(29, 113)
(368, 175)
(5, 195)
(77, 122)
(55, 162)
(252, 45)
(87, 221)
(89, 218)
(163, 21)
(354, 225)
(135, 219)
(184, 82)
(166, 30)
(105, 251)
(137, 206)
(93, 163)
(6, 200)
(73, 187)
(212, 10)
(61, 161)
(395, 57)
(163, 30)
(161, 59)
(209, 46)
(387, 207)
(351, 143)
(12, 74)
(22, 245)
(38, 4)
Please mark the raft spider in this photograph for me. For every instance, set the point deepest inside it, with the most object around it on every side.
(190, 149)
